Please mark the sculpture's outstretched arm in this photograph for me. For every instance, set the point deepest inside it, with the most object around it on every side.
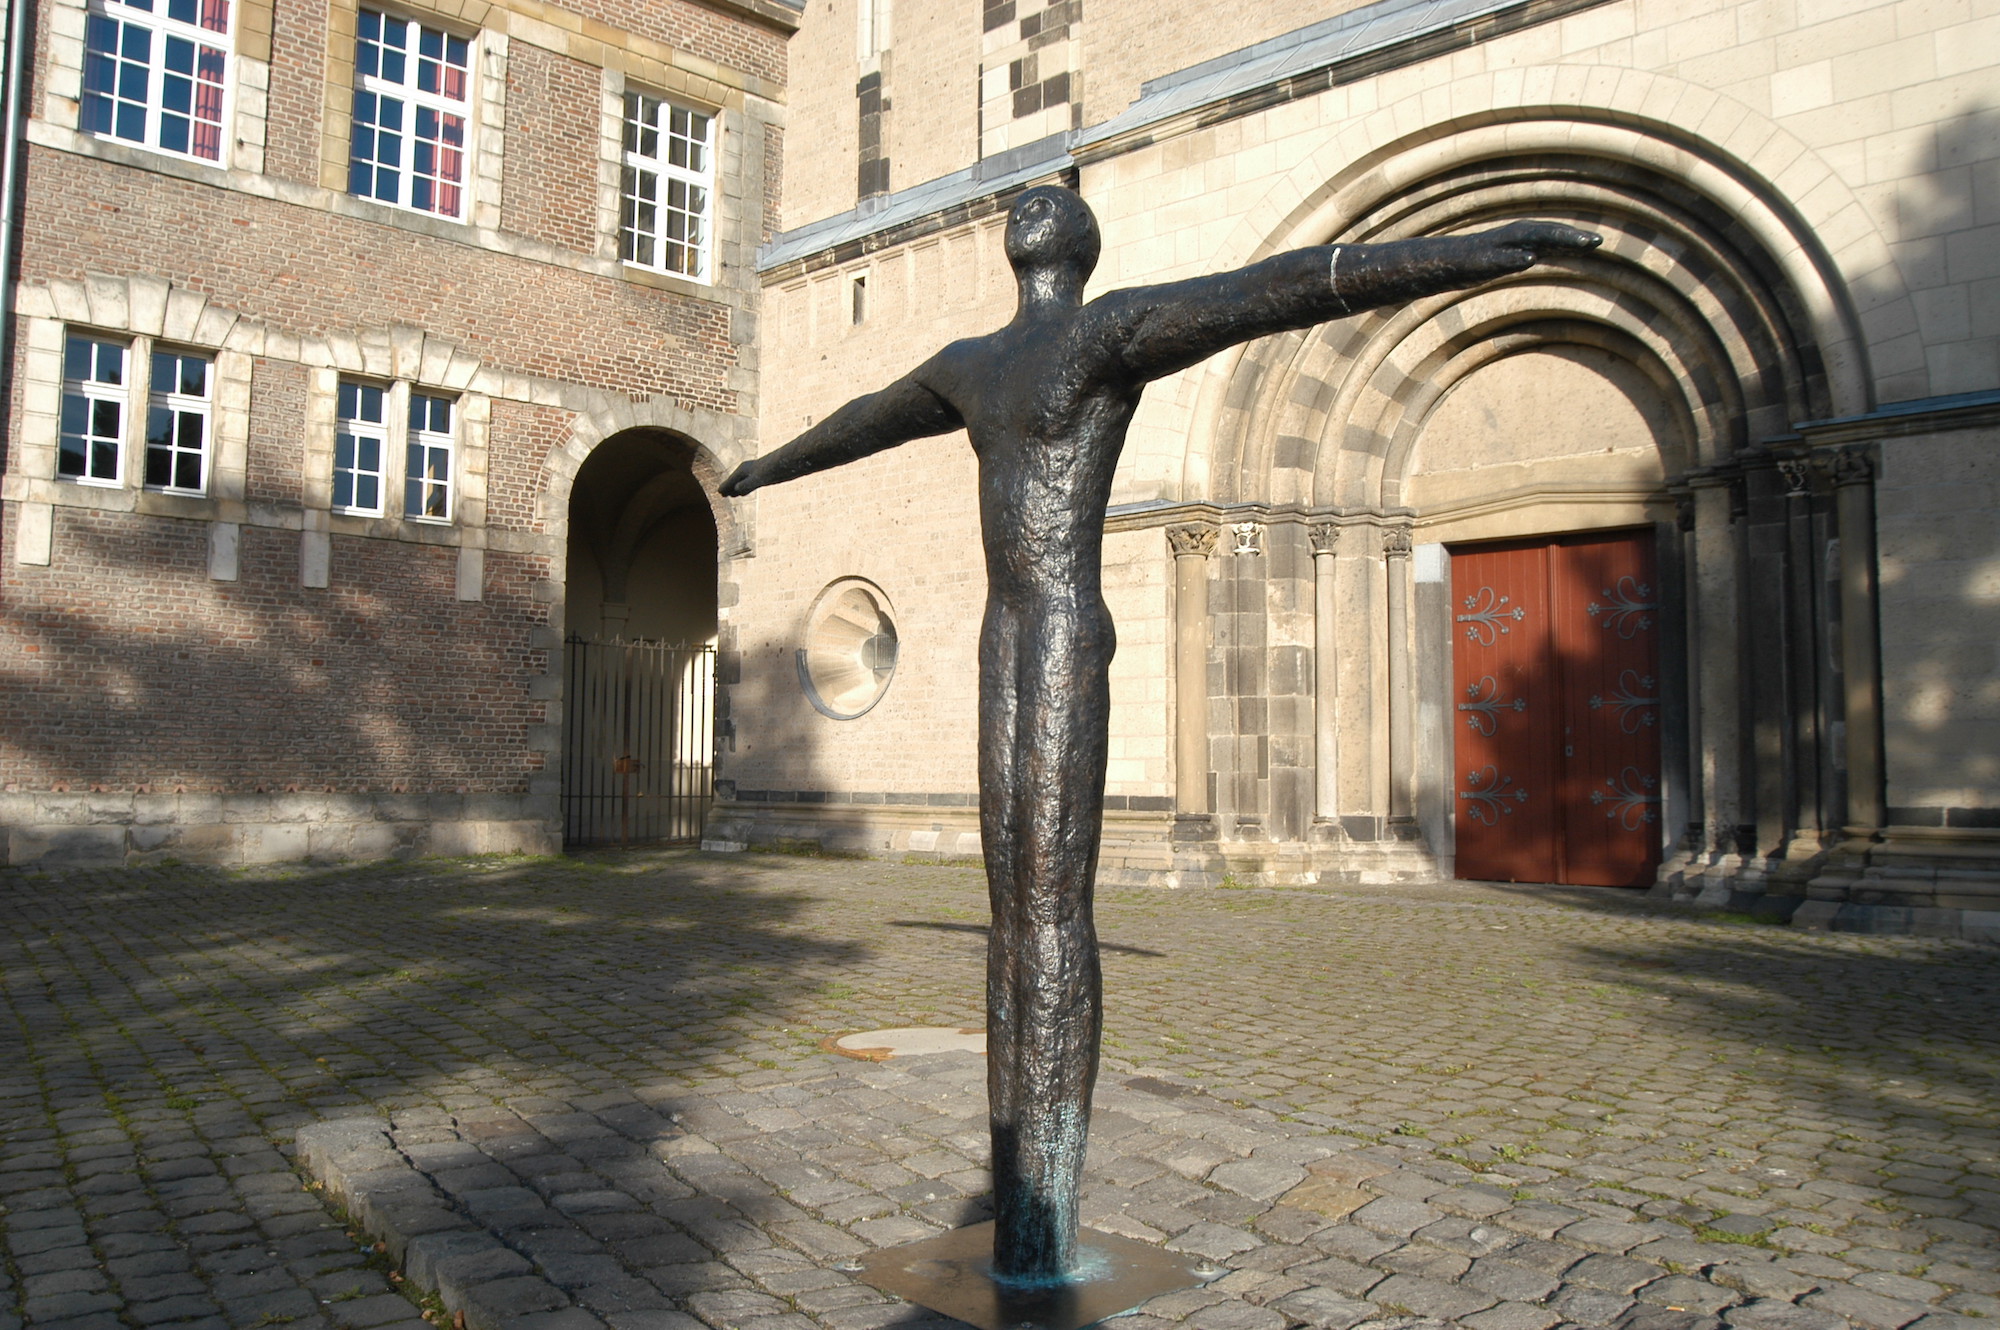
(904, 410)
(1182, 323)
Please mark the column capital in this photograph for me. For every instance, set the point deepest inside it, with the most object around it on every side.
(1193, 539)
(1798, 476)
(1850, 465)
(1325, 536)
(1396, 542)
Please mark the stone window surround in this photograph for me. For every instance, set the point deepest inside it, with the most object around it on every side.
(146, 309)
(146, 312)
(665, 174)
(440, 371)
(487, 109)
(727, 189)
(246, 90)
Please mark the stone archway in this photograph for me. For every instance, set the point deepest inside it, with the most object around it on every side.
(1714, 316)
(639, 657)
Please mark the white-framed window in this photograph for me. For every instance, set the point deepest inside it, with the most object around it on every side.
(156, 72)
(412, 114)
(360, 442)
(179, 415)
(666, 187)
(432, 446)
(96, 379)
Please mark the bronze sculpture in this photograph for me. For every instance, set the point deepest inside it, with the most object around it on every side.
(1046, 401)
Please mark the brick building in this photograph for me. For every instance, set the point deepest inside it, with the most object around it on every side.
(1672, 566)
(326, 317)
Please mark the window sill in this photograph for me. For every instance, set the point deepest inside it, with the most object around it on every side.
(151, 150)
(640, 275)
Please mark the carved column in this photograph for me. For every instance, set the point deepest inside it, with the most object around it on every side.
(1802, 642)
(1860, 638)
(1691, 630)
(1326, 675)
(1192, 546)
(1402, 700)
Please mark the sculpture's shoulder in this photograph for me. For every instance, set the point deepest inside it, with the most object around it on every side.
(956, 363)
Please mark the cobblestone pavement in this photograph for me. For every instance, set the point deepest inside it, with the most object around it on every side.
(605, 1101)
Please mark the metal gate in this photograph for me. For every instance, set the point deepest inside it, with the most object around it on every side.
(638, 742)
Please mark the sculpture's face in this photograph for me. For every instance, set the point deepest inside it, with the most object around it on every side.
(1050, 227)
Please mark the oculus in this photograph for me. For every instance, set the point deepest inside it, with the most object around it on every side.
(850, 651)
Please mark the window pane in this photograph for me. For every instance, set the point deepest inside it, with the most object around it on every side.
(77, 357)
(159, 427)
(343, 489)
(104, 418)
(187, 471)
(159, 466)
(368, 492)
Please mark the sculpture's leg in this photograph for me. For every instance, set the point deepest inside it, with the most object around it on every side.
(1045, 706)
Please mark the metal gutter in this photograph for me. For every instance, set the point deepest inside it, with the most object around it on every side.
(12, 118)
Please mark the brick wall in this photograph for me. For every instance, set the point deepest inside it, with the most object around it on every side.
(309, 272)
(165, 643)
(549, 185)
(297, 98)
(136, 670)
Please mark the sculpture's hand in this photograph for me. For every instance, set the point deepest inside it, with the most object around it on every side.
(741, 481)
(1520, 245)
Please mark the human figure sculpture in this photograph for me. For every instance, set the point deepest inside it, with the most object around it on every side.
(1046, 401)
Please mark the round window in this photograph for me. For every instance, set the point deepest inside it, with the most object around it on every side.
(850, 650)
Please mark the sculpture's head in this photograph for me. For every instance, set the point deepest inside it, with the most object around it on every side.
(1050, 228)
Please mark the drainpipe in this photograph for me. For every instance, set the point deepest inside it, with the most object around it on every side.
(18, 60)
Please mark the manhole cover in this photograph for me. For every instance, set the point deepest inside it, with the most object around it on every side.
(906, 1042)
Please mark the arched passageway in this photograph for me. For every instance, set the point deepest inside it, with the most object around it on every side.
(639, 657)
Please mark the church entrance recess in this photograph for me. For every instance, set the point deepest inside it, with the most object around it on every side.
(1555, 672)
(639, 751)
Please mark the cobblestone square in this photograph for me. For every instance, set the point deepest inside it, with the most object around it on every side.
(591, 1091)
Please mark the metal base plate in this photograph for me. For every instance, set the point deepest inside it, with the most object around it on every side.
(952, 1274)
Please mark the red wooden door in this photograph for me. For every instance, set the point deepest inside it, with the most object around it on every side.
(1554, 668)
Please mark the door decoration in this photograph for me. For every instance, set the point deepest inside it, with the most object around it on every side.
(1489, 795)
(1628, 610)
(1633, 710)
(1486, 705)
(1630, 796)
(1488, 612)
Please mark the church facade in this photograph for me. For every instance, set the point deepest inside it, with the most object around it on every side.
(1672, 566)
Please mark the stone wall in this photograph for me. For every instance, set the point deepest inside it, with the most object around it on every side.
(1791, 202)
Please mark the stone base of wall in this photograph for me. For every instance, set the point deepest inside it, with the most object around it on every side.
(82, 830)
(1916, 881)
(1137, 849)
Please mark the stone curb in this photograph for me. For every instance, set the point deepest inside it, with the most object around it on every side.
(439, 1249)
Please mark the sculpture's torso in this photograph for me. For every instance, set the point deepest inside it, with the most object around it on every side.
(1047, 413)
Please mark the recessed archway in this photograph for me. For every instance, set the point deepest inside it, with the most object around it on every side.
(639, 657)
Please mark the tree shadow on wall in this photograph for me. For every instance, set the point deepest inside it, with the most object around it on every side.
(374, 683)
